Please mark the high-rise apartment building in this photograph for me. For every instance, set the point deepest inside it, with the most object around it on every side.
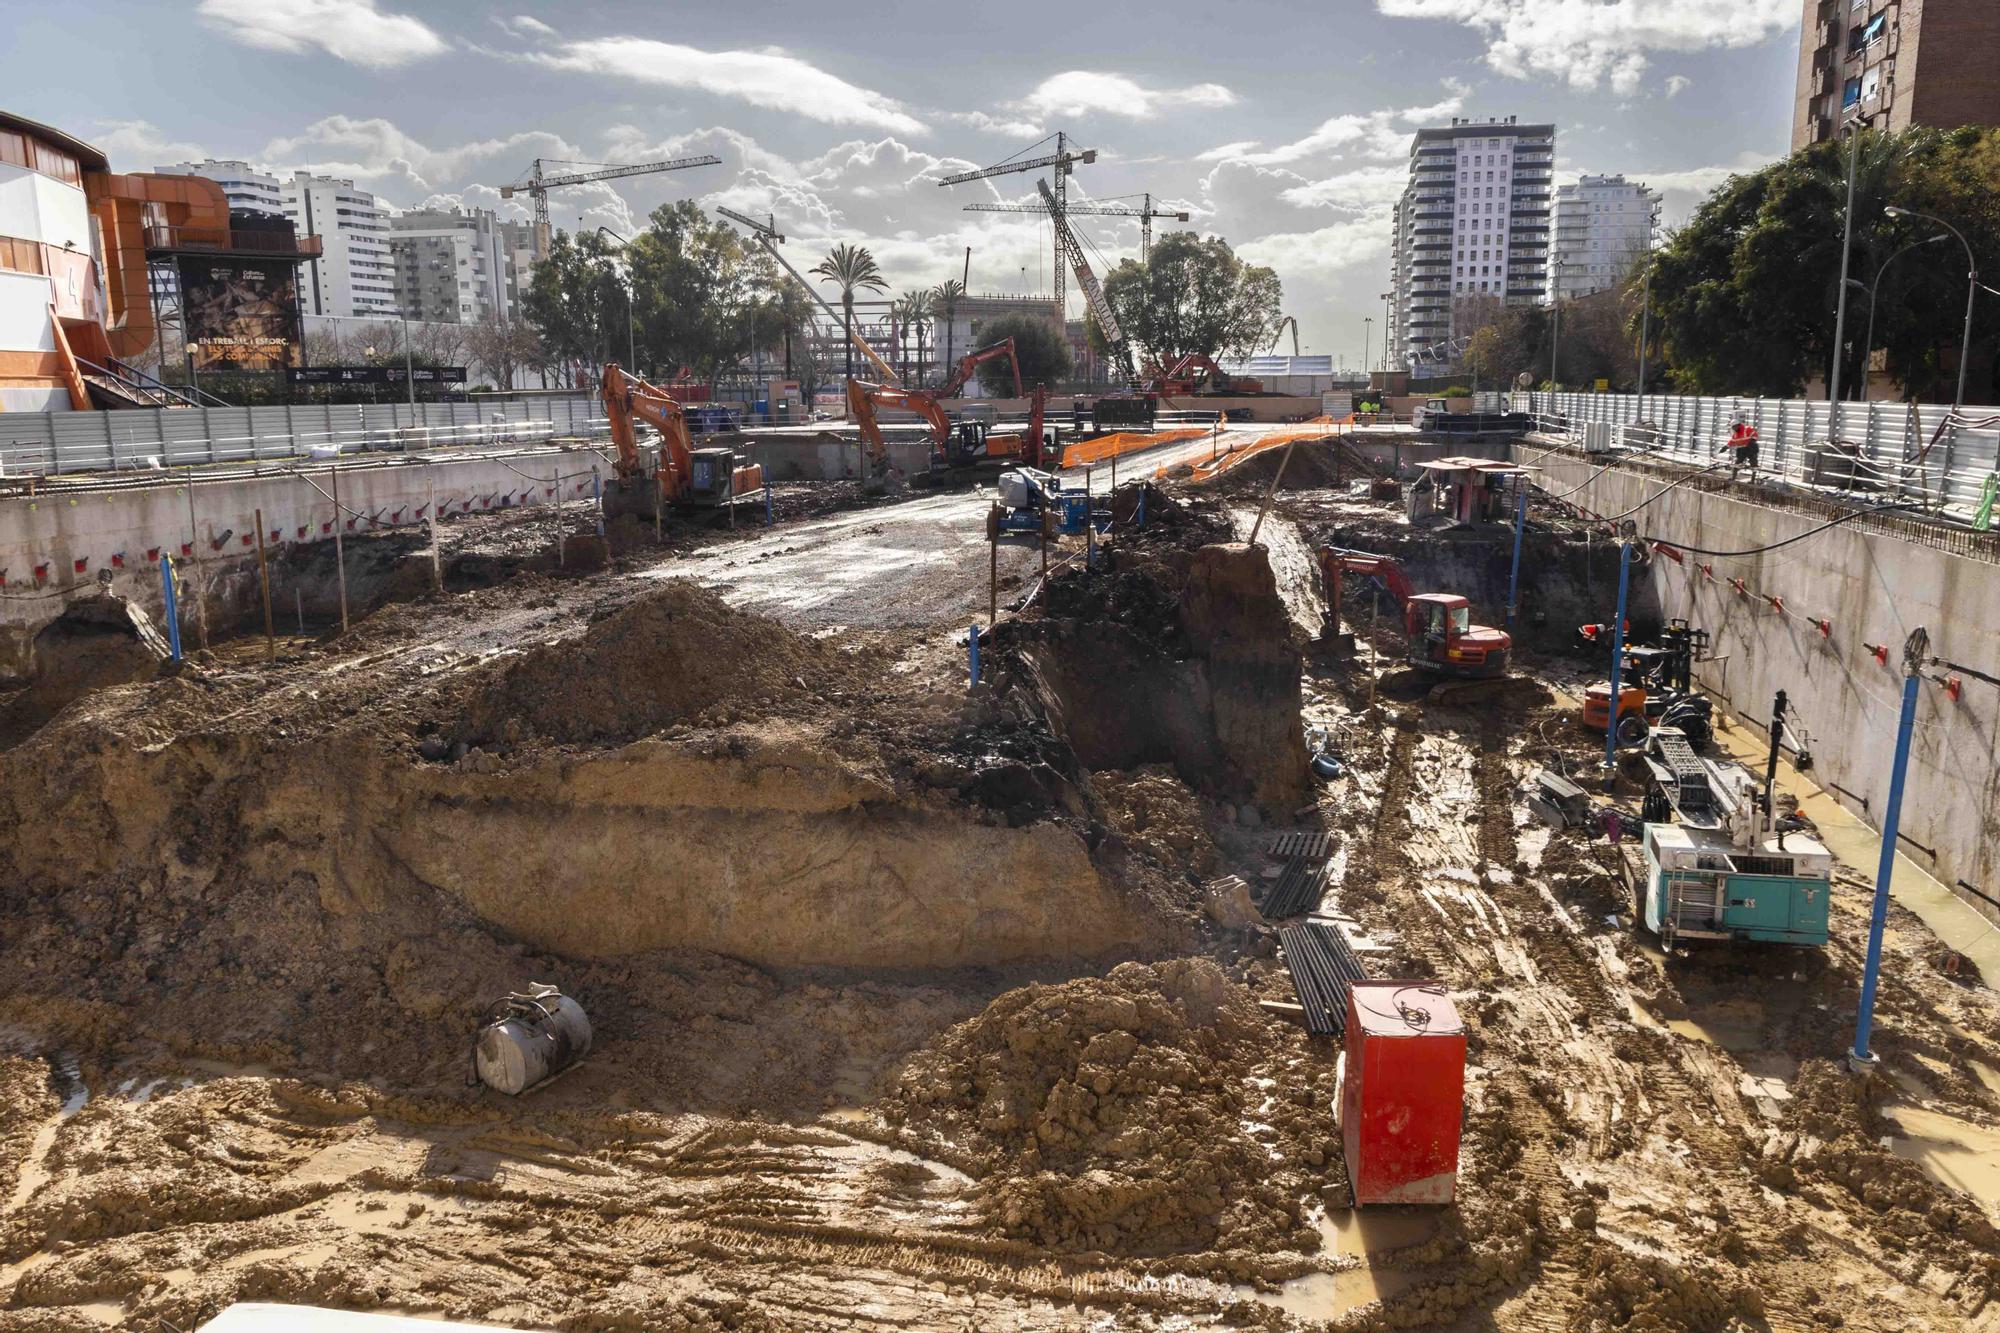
(355, 274)
(1604, 227)
(243, 185)
(1894, 64)
(453, 266)
(524, 250)
(1472, 225)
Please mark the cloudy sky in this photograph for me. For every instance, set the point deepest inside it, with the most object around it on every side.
(1284, 128)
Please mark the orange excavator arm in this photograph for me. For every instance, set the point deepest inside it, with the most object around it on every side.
(862, 400)
(961, 375)
(629, 400)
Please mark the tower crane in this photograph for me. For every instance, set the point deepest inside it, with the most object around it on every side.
(1064, 161)
(769, 237)
(1093, 292)
(538, 182)
(1108, 208)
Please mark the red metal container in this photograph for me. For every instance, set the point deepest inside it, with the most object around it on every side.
(1403, 1092)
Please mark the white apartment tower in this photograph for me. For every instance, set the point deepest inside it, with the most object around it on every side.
(356, 274)
(1472, 225)
(242, 184)
(1604, 227)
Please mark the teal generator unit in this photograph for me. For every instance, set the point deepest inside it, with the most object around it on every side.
(1700, 884)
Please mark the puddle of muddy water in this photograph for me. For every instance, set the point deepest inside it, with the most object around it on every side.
(1955, 1152)
(1349, 1236)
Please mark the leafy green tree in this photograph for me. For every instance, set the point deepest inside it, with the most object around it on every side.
(1193, 296)
(575, 302)
(701, 291)
(944, 306)
(1039, 346)
(1744, 295)
(851, 268)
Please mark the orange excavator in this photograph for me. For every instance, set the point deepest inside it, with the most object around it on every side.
(966, 445)
(687, 477)
(1443, 641)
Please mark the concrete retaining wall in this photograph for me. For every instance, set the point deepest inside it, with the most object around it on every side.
(1871, 588)
(55, 545)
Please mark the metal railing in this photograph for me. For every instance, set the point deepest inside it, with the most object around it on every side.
(1940, 460)
(244, 241)
(60, 443)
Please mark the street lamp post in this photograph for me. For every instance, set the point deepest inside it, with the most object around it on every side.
(1556, 319)
(1388, 325)
(1868, 344)
(631, 316)
(1971, 292)
(1645, 334)
(1853, 128)
(1367, 340)
(409, 367)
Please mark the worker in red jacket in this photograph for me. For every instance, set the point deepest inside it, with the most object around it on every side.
(1743, 446)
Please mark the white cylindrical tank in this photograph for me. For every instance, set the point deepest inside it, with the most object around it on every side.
(530, 1037)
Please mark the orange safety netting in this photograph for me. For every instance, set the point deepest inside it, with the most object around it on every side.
(1319, 428)
(1125, 442)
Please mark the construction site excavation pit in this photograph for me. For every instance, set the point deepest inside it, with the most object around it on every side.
(916, 1003)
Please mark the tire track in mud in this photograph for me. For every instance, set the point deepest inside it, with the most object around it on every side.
(976, 1265)
(1618, 1085)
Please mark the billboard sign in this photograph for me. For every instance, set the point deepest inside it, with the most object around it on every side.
(240, 314)
(373, 375)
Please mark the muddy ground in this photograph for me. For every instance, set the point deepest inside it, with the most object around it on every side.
(908, 1012)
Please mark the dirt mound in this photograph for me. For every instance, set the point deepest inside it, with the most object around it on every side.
(1123, 1114)
(95, 642)
(1172, 656)
(1157, 815)
(672, 656)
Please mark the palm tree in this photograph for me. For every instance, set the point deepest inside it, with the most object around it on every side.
(912, 308)
(944, 305)
(850, 268)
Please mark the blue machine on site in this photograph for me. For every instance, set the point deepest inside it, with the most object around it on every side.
(1030, 498)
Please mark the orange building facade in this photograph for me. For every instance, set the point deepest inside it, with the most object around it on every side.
(77, 243)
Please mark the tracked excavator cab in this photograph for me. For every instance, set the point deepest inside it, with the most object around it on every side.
(1444, 639)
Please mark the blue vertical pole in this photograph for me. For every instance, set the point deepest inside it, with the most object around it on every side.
(1885, 869)
(972, 650)
(767, 504)
(1514, 575)
(172, 606)
(597, 494)
(1617, 660)
(1142, 504)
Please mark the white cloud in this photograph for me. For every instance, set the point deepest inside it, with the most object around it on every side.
(768, 78)
(525, 25)
(350, 30)
(1322, 252)
(1374, 188)
(1375, 133)
(1013, 128)
(1677, 84)
(1081, 92)
(379, 156)
(138, 145)
(1592, 42)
